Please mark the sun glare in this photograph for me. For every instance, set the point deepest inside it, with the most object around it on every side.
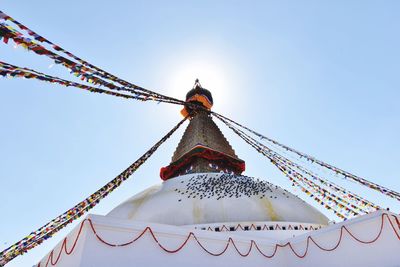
(213, 75)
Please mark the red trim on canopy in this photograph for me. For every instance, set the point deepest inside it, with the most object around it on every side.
(222, 160)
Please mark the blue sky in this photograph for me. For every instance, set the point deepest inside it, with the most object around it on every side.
(319, 76)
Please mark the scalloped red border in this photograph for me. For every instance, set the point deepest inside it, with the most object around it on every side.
(343, 228)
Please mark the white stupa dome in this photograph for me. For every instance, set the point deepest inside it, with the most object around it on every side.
(206, 198)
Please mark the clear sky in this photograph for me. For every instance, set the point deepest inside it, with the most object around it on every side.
(320, 76)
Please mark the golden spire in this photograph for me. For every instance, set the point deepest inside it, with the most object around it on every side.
(203, 147)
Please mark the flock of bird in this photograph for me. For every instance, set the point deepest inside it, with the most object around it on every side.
(223, 185)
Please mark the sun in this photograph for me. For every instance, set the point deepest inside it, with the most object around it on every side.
(210, 75)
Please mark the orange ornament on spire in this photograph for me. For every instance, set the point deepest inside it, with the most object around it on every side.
(198, 95)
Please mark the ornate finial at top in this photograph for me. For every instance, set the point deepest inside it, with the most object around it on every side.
(197, 83)
(197, 95)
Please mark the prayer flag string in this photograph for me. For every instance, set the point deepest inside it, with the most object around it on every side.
(48, 230)
(347, 175)
(292, 175)
(83, 69)
(8, 70)
(288, 168)
(42, 39)
(363, 206)
(12, 71)
(359, 201)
